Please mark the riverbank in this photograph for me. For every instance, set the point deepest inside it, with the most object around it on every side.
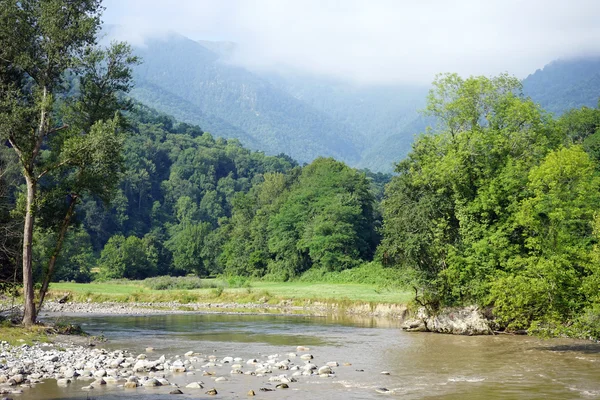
(219, 291)
(284, 307)
(130, 297)
(90, 368)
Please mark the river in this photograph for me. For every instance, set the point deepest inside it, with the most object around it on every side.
(420, 365)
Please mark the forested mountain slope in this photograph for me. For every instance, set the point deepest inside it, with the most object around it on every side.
(306, 116)
(565, 84)
(186, 79)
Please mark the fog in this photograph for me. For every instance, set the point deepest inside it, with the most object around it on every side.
(376, 41)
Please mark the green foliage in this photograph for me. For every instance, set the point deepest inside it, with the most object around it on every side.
(320, 216)
(371, 273)
(186, 244)
(174, 283)
(496, 206)
(129, 258)
(76, 259)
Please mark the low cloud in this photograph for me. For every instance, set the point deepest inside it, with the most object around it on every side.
(378, 41)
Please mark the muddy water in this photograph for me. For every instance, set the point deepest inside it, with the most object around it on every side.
(421, 366)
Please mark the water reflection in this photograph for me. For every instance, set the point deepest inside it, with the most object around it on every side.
(421, 366)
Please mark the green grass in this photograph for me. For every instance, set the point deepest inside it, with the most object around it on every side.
(17, 335)
(253, 291)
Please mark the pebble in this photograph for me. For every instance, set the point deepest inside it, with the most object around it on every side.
(383, 390)
(130, 371)
(385, 373)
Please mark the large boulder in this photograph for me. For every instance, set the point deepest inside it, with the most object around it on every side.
(457, 321)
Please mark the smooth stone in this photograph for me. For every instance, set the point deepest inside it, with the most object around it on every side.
(302, 348)
(282, 386)
(130, 385)
(90, 387)
(149, 349)
(212, 392)
(383, 390)
(63, 382)
(195, 385)
(152, 383)
(251, 393)
(189, 354)
(221, 379)
(333, 364)
(101, 373)
(176, 391)
(324, 370)
(306, 356)
(385, 373)
(70, 373)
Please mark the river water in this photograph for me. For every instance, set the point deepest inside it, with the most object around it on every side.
(420, 365)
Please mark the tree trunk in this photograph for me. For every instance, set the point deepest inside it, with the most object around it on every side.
(59, 242)
(29, 314)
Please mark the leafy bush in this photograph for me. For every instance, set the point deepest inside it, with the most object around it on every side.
(372, 273)
(238, 282)
(174, 283)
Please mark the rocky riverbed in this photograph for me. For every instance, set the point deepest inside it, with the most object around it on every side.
(283, 307)
(22, 367)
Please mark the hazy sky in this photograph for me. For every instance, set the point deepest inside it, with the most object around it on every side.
(378, 40)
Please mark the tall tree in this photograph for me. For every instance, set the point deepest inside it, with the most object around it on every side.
(41, 43)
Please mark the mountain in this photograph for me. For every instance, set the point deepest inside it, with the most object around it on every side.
(183, 78)
(306, 116)
(565, 84)
(379, 114)
(299, 115)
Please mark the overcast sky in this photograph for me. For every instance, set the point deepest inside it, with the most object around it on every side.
(377, 41)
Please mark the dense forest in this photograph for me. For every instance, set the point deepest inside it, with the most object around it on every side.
(191, 203)
(498, 206)
(495, 205)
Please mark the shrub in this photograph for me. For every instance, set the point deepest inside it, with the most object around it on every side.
(173, 283)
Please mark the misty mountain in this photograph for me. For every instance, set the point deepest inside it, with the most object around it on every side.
(305, 116)
(377, 112)
(183, 78)
(302, 116)
(565, 84)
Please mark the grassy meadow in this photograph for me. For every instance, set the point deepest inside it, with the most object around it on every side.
(217, 290)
